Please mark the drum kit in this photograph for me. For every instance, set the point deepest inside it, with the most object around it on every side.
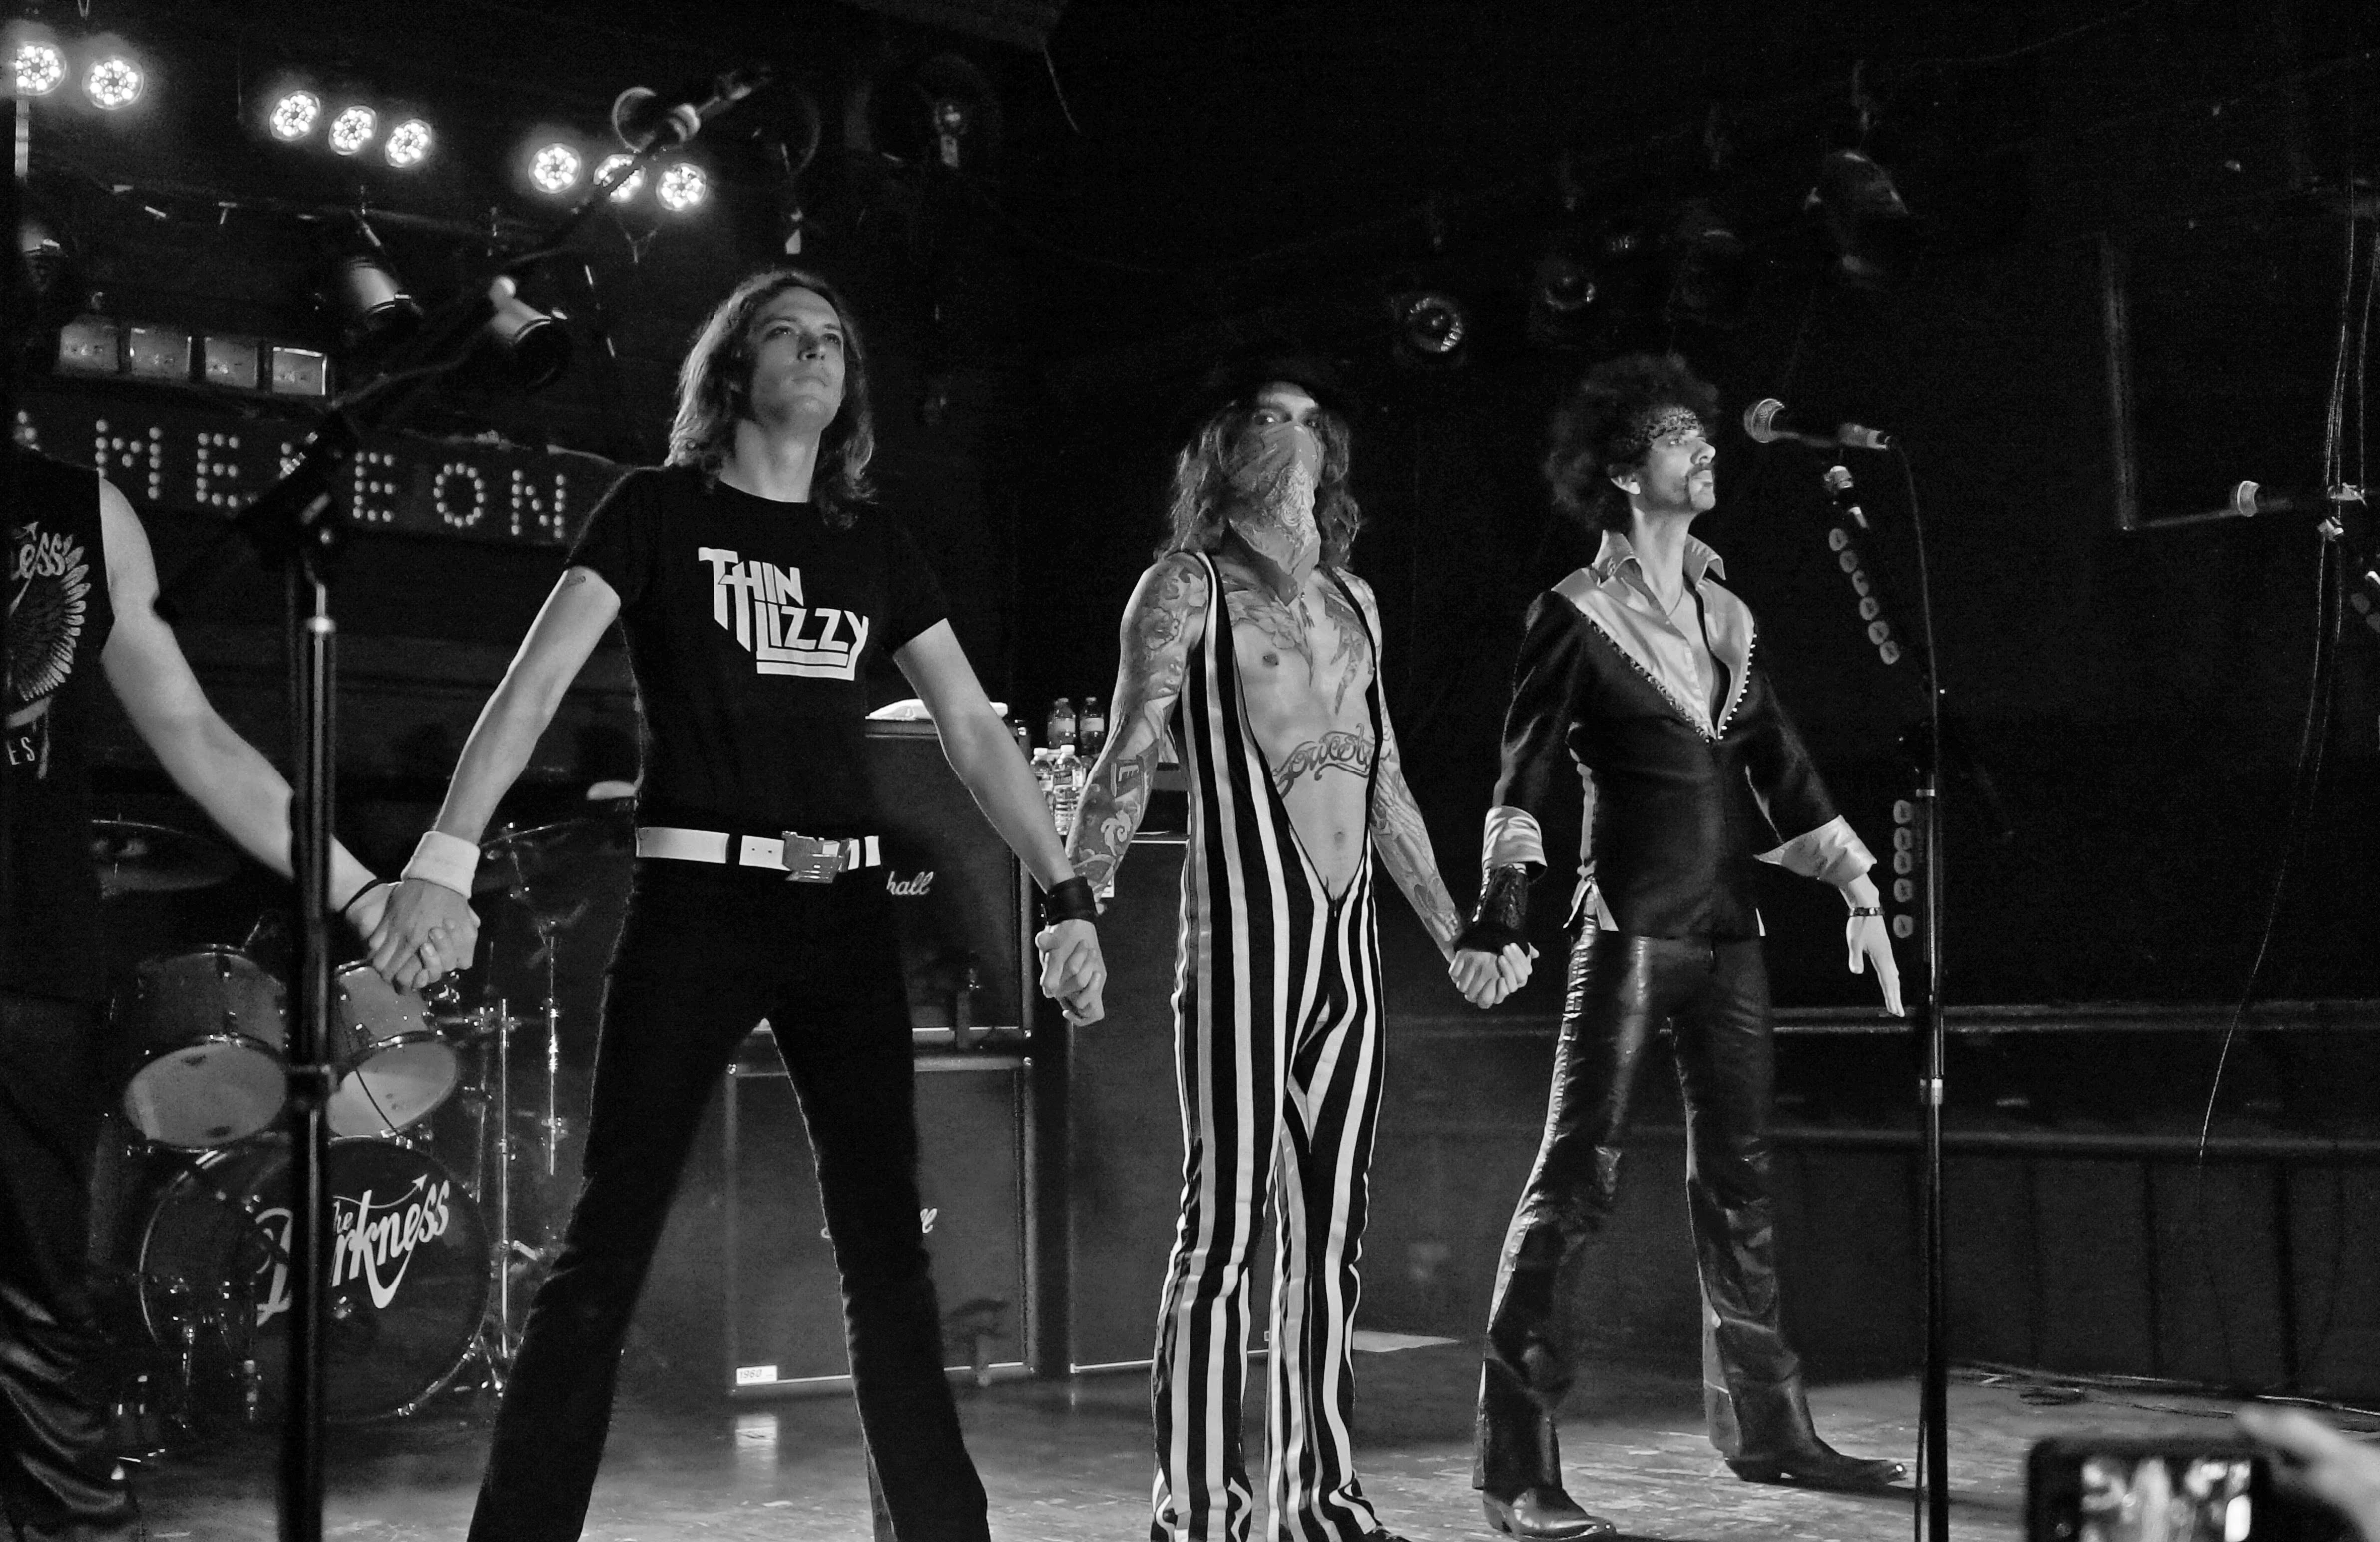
(428, 1262)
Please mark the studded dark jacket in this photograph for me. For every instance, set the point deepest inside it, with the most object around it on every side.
(1611, 701)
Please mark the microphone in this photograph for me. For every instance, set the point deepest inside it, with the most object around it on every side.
(1766, 422)
(1846, 501)
(641, 115)
(2250, 499)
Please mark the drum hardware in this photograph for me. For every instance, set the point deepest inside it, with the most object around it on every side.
(139, 859)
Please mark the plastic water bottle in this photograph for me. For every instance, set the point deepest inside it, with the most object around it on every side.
(1065, 782)
(1091, 728)
(1062, 723)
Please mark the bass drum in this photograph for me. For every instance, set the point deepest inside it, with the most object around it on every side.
(407, 1284)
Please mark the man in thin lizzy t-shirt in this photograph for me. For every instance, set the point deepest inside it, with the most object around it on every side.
(753, 576)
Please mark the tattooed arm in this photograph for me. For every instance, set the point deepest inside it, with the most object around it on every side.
(1398, 833)
(1160, 621)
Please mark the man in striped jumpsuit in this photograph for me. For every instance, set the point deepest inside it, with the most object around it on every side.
(1249, 626)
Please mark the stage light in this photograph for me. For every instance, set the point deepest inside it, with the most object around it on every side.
(681, 187)
(90, 345)
(1431, 326)
(41, 67)
(293, 116)
(300, 372)
(554, 168)
(112, 83)
(158, 352)
(353, 129)
(231, 361)
(408, 142)
(362, 291)
(626, 190)
(533, 344)
(1861, 221)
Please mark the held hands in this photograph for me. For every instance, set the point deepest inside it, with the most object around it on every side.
(424, 933)
(1072, 972)
(365, 911)
(1487, 978)
(1868, 943)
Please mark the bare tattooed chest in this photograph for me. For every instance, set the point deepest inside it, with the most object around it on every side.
(1306, 664)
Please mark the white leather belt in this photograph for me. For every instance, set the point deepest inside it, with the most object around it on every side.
(802, 859)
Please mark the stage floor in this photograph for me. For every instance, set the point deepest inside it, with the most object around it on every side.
(1068, 1462)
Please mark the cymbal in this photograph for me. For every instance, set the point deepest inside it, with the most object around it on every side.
(137, 859)
(557, 860)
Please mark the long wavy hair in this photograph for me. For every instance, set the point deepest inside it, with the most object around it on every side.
(1590, 428)
(1199, 507)
(714, 392)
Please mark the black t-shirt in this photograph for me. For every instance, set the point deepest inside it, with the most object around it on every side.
(750, 623)
(59, 617)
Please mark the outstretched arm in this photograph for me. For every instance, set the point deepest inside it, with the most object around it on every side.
(1153, 647)
(985, 757)
(566, 631)
(226, 776)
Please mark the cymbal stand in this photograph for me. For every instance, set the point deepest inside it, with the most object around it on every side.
(496, 1344)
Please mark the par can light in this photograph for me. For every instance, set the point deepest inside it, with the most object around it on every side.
(681, 187)
(293, 116)
(627, 188)
(41, 67)
(554, 168)
(112, 83)
(353, 129)
(408, 142)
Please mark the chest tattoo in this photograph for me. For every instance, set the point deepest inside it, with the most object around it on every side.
(1336, 642)
(1338, 749)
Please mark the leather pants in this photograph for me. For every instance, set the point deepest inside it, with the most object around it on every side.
(1621, 991)
(57, 1477)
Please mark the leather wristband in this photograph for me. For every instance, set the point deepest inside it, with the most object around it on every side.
(446, 860)
(1071, 900)
(1501, 918)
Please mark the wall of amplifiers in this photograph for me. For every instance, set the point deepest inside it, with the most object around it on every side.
(193, 453)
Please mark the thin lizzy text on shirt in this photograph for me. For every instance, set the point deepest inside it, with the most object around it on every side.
(763, 604)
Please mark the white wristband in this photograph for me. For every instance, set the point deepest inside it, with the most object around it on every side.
(446, 860)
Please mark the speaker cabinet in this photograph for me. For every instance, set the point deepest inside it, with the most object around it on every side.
(1124, 1135)
(959, 894)
(784, 1317)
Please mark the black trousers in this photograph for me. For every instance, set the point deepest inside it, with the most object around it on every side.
(1621, 991)
(705, 954)
(58, 1479)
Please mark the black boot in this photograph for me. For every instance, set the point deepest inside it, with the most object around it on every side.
(1766, 1435)
(1542, 1514)
(1518, 1469)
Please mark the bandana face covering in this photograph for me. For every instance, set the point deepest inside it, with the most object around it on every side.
(1649, 429)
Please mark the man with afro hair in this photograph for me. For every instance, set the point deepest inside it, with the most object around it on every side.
(1635, 683)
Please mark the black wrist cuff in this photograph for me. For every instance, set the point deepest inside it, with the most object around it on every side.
(1501, 920)
(1071, 900)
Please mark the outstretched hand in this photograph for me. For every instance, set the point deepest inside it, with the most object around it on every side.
(1487, 978)
(1072, 972)
(425, 933)
(1870, 943)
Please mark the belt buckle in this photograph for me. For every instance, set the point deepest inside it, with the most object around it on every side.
(809, 860)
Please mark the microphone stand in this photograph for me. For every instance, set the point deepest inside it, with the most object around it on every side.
(297, 525)
(1925, 742)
